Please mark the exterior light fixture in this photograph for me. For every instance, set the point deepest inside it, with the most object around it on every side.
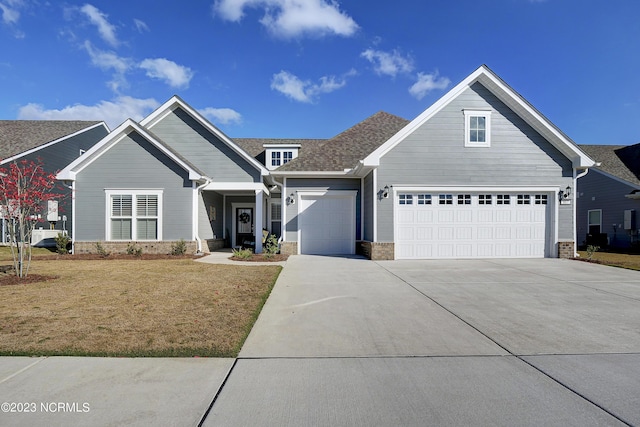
(385, 192)
(291, 200)
(563, 195)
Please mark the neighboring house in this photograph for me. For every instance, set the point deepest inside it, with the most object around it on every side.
(608, 200)
(56, 144)
(480, 173)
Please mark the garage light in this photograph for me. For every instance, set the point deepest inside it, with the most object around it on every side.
(564, 195)
(385, 192)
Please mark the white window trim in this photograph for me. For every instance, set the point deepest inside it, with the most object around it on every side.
(589, 219)
(134, 193)
(467, 127)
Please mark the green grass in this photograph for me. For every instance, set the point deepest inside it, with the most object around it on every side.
(628, 261)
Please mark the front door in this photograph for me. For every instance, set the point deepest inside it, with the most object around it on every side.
(244, 228)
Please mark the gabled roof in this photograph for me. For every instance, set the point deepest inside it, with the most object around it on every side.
(509, 97)
(19, 137)
(176, 102)
(621, 161)
(345, 150)
(69, 173)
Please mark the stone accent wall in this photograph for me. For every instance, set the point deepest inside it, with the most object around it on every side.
(377, 251)
(215, 244)
(289, 248)
(566, 249)
(163, 247)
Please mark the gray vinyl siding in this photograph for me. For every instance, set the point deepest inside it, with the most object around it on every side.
(598, 191)
(133, 163)
(203, 149)
(318, 184)
(435, 155)
(55, 158)
(208, 226)
(369, 200)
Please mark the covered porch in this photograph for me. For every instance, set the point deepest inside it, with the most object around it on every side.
(238, 215)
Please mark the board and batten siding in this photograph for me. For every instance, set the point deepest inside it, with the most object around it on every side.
(318, 184)
(55, 158)
(203, 149)
(598, 191)
(435, 155)
(133, 163)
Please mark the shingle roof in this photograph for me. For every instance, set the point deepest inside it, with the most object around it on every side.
(18, 136)
(255, 146)
(622, 161)
(346, 149)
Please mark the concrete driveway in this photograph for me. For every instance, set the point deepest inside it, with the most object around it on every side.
(345, 341)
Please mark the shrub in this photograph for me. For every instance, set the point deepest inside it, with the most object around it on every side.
(101, 250)
(62, 243)
(242, 253)
(179, 247)
(271, 246)
(133, 250)
(591, 250)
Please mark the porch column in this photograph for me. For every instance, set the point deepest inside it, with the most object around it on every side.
(258, 220)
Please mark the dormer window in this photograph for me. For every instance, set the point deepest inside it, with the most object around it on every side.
(280, 154)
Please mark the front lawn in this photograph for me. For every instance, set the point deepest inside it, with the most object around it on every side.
(617, 260)
(165, 308)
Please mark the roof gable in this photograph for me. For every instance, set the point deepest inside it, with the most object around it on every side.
(176, 102)
(511, 99)
(69, 173)
(22, 137)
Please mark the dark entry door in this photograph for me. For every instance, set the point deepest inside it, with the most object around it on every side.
(244, 228)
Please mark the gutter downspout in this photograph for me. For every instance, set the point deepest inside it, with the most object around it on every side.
(575, 208)
(72, 187)
(196, 224)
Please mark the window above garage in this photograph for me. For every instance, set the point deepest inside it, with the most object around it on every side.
(477, 128)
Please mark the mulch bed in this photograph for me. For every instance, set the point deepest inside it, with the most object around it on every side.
(10, 278)
(92, 257)
(262, 258)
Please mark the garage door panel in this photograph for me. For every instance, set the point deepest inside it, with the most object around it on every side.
(327, 224)
(472, 229)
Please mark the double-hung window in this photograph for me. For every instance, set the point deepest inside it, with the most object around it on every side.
(477, 128)
(134, 215)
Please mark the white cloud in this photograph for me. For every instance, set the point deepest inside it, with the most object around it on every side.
(141, 26)
(305, 91)
(10, 14)
(292, 18)
(99, 19)
(176, 76)
(388, 63)
(110, 61)
(112, 112)
(426, 83)
(221, 116)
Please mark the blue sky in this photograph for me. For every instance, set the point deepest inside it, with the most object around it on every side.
(313, 68)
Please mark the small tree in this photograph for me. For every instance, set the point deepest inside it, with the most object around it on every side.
(25, 187)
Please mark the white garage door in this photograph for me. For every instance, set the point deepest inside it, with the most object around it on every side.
(326, 223)
(470, 225)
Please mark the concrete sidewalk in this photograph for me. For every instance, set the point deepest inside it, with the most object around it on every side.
(345, 341)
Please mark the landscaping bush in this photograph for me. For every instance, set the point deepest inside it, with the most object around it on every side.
(133, 250)
(179, 248)
(242, 253)
(63, 242)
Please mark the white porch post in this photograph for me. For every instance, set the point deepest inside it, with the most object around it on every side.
(258, 220)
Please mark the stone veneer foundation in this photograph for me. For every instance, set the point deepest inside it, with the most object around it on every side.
(566, 249)
(163, 247)
(289, 248)
(377, 251)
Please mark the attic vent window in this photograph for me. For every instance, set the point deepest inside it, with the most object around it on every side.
(477, 128)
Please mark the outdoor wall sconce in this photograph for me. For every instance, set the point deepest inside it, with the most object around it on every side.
(385, 192)
(291, 200)
(563, 196)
